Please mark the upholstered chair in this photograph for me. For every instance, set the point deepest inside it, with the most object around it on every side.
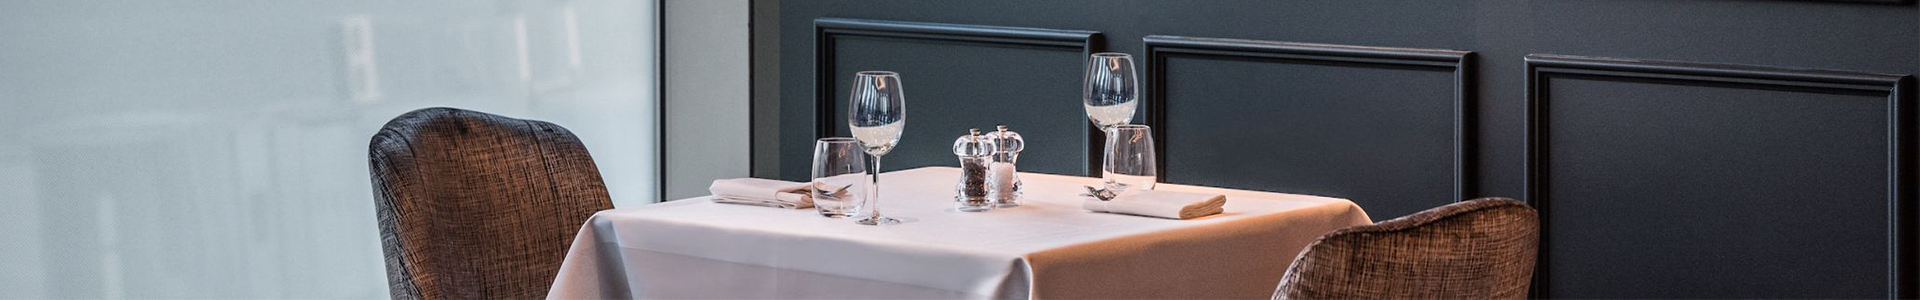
(478, 206)
(1476, 249)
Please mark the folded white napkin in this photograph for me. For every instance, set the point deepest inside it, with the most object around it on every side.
(762, 192)
(1164, 204)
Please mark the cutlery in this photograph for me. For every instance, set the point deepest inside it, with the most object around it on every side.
(1102, 194)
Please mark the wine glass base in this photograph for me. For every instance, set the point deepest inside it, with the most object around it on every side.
(877, 220)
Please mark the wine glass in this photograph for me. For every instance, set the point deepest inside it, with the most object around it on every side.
(1111, 96)
(1111, 89)
(877, 114)
(1129, 164)
(839, 165)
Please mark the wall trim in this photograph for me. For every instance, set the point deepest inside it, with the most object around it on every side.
(660, 99)
(1160, 47)
(826, 30)
(1867, 1)
(1897, 88)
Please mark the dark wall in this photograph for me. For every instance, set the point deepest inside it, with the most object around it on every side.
(1675, 148)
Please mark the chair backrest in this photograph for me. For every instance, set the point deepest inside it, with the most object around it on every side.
(1476, 249)
(478, 206)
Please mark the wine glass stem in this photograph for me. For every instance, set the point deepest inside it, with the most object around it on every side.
(873, 198)
(1106, 133)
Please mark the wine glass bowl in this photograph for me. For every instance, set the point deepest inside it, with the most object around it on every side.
(877, 114)
(1112, 89)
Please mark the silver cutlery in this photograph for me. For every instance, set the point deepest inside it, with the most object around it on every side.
(1102, 194)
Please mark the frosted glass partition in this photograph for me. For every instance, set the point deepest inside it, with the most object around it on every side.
(218, 149)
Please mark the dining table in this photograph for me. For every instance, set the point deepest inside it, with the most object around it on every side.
(1048, 247)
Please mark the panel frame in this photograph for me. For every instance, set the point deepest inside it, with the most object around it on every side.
(1160, 47)
(1892, 2)
(1539, 68)
(827, 30)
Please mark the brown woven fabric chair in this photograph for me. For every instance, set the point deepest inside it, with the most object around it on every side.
(1477, 249)
(478, 206)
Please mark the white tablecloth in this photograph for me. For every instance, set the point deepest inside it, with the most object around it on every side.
(1048, 248)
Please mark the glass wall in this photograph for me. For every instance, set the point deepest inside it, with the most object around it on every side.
(218, 149)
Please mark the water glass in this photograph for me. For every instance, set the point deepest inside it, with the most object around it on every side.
(1129, 161)
(839, 177)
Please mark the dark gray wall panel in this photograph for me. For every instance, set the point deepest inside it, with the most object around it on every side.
(1380, 126)
(958, 77)
(1868, 37)
(1706, 181)
(1034, 100)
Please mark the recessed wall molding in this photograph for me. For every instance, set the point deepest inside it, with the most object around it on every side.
(1668, 179)
(1895, 90)
(1159, 48)
(1867, 1)
(829, 31)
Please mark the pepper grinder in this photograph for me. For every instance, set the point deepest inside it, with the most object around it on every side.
(1002, 178)
(970, 195)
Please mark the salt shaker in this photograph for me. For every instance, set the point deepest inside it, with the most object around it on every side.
(1003, 180)
(971, 194)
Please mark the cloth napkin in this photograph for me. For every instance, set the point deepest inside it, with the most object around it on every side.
(1163, 204)
(762, 192)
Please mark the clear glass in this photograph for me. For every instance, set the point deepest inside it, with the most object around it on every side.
(218, 149)
(839, 176)
(971, 193)
(1129, 161)
(1001, 173)
(1112, 89)
(877, 113)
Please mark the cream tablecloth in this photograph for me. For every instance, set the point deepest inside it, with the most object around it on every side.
(1048, 248)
